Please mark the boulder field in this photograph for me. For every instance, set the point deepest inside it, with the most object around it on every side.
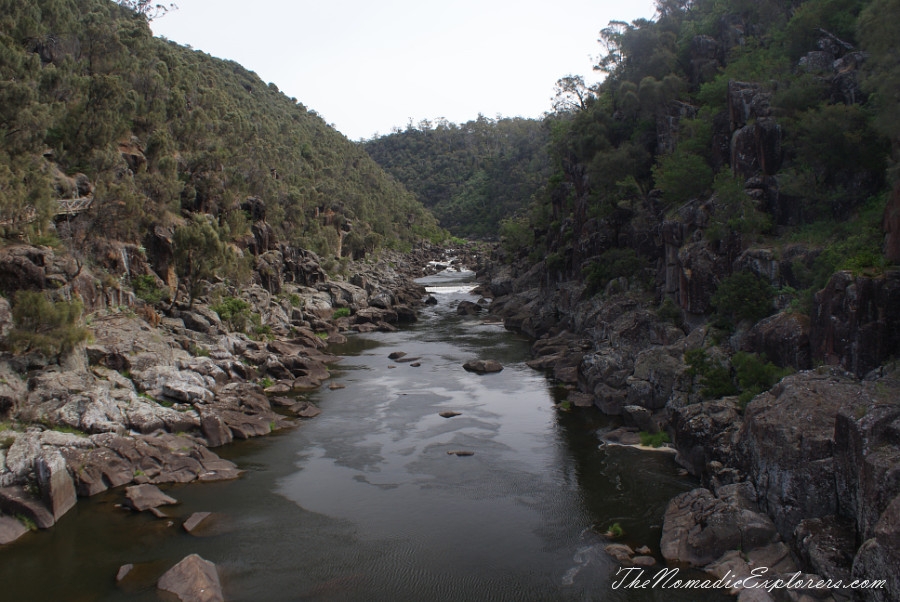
(802, 477)
(156, 388)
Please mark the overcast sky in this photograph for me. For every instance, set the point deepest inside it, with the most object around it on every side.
(367, 66)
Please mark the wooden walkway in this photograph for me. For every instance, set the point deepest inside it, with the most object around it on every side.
(64, 207)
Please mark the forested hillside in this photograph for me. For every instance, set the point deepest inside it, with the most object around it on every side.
(472, 175)
(93, 107)
(746, 124)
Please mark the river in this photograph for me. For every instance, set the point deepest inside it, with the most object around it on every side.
(364, 502)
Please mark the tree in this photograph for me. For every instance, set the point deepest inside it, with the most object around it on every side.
(571, 94)
(199, 254)
(41, 325)
(148, 9)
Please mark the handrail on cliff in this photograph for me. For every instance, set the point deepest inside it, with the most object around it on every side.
(64, 207)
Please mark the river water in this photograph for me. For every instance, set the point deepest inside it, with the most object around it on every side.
(364, 502)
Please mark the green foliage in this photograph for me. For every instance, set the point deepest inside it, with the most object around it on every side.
(751, 376)
(654, 439)
(615, 531)
(266, 382)
(472, 175)
(670, 312)
(614, 263)
(341, 312)
(736, 210)
(159, 129)
(233, 311)
(755, 375)
(147, 289)
(854, 244)
(48, 327)
(742, 296)
(713, 376)
(880, 37)
(199, 254)
(516, 234)
(682, 176)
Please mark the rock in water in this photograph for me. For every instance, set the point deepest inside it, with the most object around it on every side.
(193, 580)
(194, 520)
(460, 452)
(56, 485)
(448, 414)
(483, 366)
(145, 497)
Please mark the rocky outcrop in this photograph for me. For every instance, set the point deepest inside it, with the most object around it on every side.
(143, 401)
(787, 446)
(856, 321)
(699, 527)
(783, 339)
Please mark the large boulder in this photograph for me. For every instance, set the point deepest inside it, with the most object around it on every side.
(783, 339)
(193, 580)
(866, 448)
(699, 527)
(56, 485)
(706, 435)
(787, 443)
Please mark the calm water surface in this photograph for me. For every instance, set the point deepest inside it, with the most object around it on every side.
(364, 502)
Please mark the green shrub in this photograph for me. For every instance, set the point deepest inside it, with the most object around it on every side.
(713, 376)
(755, 375)
(41, 325)
(751, 376)
(614, 263)
(234, 312)
(146, 289)
(654, 439)
(682, 176)
(670, 312)
(341, 312)
(742, 296)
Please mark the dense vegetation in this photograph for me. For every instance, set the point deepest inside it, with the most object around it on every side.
(472, 175)
(92, 104)
(660, 140)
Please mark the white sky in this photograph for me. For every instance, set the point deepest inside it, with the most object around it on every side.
(369, 66)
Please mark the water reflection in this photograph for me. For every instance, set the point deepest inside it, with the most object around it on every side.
(365, 503)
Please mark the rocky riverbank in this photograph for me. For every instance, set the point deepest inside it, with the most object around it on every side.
(156, 387)
(806, 476)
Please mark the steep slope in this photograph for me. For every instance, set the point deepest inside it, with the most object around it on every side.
(92, 105)
(473, 175)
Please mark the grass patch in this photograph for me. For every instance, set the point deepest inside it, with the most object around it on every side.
(615, 531)
(29, 524)
(654, 439)
(341, 312)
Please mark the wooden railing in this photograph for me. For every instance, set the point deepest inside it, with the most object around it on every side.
(64, 207)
